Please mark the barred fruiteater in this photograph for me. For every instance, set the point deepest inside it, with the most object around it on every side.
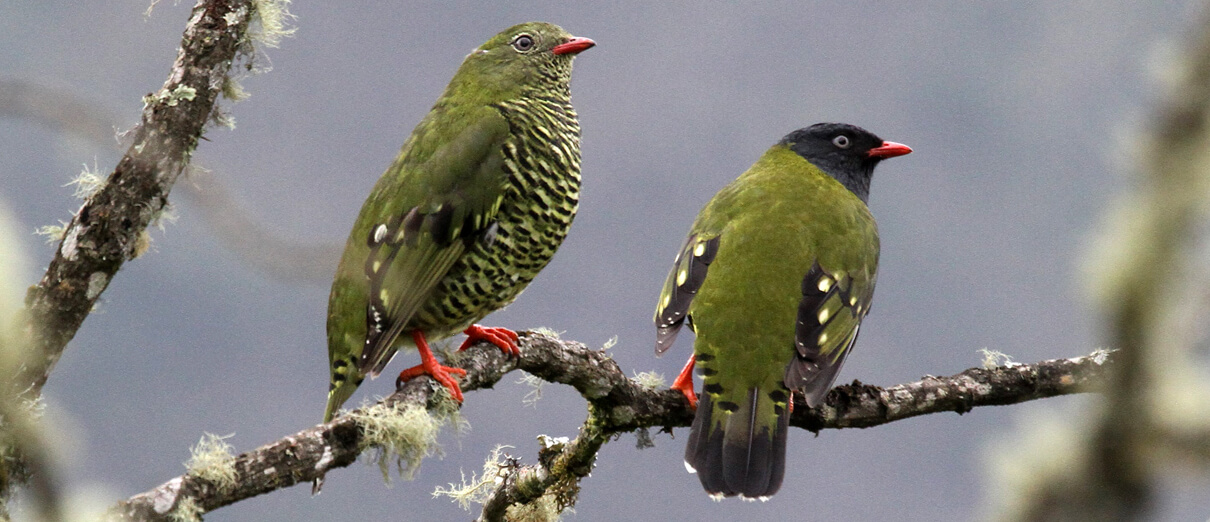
(774, 280)
(476, 203)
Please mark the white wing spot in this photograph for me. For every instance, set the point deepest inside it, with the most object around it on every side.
(823, 315)
(681, 277)
(380, 233)
(853, 301)
(377, 265)
(699, 249)
(823, 338)
(825, 284)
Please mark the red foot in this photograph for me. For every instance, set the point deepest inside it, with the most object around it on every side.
(429, 366)
(684, 382)
(503, 338)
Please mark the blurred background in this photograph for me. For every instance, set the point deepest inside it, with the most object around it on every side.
(1021, 116)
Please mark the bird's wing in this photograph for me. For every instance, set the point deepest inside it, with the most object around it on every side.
(829, 317)
(449, 191)
(688, 273)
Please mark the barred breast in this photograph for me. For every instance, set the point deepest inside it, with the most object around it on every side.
(542, 193)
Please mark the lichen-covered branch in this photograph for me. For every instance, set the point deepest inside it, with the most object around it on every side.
(617, 404)
(110, 228)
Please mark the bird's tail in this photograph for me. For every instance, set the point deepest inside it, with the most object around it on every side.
(345, 380)
(739, 448)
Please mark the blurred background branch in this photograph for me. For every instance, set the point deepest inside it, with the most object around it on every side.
(231, 222)
(1149, 274)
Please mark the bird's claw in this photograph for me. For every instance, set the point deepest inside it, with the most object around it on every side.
(503, 338)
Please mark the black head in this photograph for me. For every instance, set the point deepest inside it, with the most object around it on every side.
(846, 152)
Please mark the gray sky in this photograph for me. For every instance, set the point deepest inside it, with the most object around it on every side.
(1017, 113)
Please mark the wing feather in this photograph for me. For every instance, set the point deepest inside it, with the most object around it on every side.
(450, 197)
(688, 272)
(829, 317)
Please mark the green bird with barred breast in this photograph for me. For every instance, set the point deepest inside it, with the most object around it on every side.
(481, 194)
(774, 281)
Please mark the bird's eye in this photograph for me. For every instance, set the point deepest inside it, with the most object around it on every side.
(841, 141)
(523, 42)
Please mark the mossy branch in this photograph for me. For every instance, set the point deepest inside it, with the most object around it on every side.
(109, 229)
(617, 404)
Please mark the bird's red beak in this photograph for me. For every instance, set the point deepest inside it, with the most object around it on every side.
(573, 46)
(889, 149)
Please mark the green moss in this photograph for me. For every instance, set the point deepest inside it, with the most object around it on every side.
(543, 509)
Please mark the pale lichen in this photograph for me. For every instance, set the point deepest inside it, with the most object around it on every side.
(480, 487)
(547, 332)
(535, 393)
(271, 16)
(212, 460)
(88, 182)
(97, 281)
(187, 510)
(649, 380)
(993, 359)
(406, 436)
(52, 233)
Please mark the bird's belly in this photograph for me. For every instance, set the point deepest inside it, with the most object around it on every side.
(494, 272)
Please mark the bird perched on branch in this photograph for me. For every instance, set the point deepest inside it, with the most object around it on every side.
(482, 193)
(774, 280)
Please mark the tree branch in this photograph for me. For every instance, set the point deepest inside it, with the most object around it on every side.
(617, 404)
(110, 227)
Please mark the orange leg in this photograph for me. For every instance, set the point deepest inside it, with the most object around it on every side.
(684, 382)
(429, 366)
(503, 338)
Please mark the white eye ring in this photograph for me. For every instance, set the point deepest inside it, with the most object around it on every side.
(841, 141)
(523, 43)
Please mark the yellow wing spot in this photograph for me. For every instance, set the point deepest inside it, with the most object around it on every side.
(681, 277)
(377, 265)
(667, 300)
(824, 315)
(823, 338)
(699, 249)
(385, 297)
(825, 284)
(853, 301)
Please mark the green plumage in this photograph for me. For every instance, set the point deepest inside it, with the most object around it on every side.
(481, 194)
(774, 280)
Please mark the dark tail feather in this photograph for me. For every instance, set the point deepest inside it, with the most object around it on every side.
(738, 457)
